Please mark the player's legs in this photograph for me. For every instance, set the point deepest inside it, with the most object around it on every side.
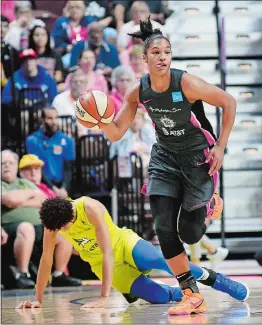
(191, 225)
(153, 292)
(147, 257)
(165, 211)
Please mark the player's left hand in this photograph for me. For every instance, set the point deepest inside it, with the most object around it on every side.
(216, 155)
(29, 304)
(101, 302)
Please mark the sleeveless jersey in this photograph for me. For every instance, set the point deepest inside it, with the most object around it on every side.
(180, 126)
(82, 234)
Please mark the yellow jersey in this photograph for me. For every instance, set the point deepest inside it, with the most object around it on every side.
(82, 234)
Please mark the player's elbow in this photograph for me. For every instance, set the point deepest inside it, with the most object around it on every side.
(230, 102)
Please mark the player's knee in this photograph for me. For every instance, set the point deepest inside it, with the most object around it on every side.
(189, 232)
(170, 244)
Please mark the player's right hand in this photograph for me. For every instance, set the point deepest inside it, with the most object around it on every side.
(29, 304)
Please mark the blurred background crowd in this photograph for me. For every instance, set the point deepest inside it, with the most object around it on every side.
(51, 51)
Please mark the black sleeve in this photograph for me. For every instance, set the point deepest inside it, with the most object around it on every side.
(68, 171)
(58, 62)
(199, 111)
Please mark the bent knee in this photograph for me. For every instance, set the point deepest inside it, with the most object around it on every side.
(190, 233)
(25, 230)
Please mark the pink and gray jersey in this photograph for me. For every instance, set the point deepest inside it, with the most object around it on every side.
(180, 126)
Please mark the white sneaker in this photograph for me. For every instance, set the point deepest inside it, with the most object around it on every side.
(218, 257)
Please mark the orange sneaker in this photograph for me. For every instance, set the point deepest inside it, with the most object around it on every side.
(218, 207)
(192, 303)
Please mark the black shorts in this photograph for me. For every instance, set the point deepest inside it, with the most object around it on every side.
(181, 175)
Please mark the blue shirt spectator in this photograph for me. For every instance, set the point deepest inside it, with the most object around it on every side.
(30, 75)
(69, 30)
(106, 53)
(55, 148)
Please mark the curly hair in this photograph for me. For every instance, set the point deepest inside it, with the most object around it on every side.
(147, 33)
(56, 213)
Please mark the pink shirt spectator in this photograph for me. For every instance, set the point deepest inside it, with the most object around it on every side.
(50, 194)
(8, 9)
(124, 58)
(95, 82)
(118, 100)
(77, 34)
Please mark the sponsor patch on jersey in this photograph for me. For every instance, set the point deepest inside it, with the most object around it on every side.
(177, 96)
(57, 150)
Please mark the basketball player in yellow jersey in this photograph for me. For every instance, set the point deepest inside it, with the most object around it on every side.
(119, 257)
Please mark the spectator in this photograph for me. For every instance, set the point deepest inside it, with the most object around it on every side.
(55, 149)
(122, 79)
(39, 41)
(65, 103)
(137, 62)
(123, 8)
(106, 54)
(139, 11)
(138, 138)
(8, 9)
(70, 29)
(103, 11)
(30, 75)
(9, 55)
(95, 81)
(30, 168)
(19, 29)
(20, 200)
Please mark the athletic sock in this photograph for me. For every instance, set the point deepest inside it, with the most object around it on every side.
(209, 277)
(187, 281)
(57, 273)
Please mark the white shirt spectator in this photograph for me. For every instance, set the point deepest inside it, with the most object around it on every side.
(65, 104)
(13, 36)
(123, 39)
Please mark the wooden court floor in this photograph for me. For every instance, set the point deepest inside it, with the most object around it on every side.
(61, 305)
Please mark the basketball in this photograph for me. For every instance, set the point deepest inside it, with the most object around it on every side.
(94, 108)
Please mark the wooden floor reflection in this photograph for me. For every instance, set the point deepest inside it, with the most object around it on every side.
(62, 306)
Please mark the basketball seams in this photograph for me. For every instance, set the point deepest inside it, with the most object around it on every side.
(97, 111)
(106, 107)
(88, 103)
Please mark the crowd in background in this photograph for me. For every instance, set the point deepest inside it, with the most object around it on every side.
(86, 47)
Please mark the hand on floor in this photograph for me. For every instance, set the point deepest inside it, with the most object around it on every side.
(101, 302)
(29, 304)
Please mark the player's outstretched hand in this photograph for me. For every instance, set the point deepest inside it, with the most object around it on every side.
(29, 304)
(101, 302)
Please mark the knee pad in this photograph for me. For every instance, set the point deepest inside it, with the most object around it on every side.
(165, 212)
(170, 244)
(191, 226)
